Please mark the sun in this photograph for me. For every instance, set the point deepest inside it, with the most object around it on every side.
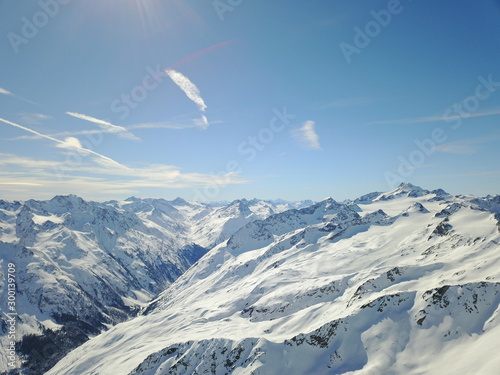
(148, 17)
(155, 15)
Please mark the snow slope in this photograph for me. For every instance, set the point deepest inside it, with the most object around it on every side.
(405, 282)
(84, 266)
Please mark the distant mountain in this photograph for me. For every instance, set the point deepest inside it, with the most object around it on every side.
(408, 190)
(221, 223)
(403, 282)
(84, 266)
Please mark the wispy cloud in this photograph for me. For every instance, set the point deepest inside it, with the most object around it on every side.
(33, 118)
(436, 118)
(465, 174)
(5, 92)
(466, 146)
(58, 177)
(17, 183)
(202, 122)
(56, 135)
(162, 125)
(307, 135)
(68, 143)
(189, 88)
(8, 93)
(71, 143)
(106, 126)
(191, 91)
(456, 148)
(174, 125)
(193, 123)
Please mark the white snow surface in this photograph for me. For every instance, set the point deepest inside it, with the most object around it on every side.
(99, 263)
(405, 282)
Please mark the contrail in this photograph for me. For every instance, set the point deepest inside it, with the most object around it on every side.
(203, 122)
(106, 126)
(64, 143)
(8, 93)
(189, 88)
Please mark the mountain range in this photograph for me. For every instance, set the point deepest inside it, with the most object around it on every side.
(399, 282)
(84, 266)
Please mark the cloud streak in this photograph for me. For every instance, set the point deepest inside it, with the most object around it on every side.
(448, 118)
(307, 135)
(8, 93)
(5, 92)
(33, 118)
(456, 148)
(466, 146)
(97, 180)
(68, 143)
(202, 122)
(189, 88)
(106, 126)
(191, 91)
(192, 123)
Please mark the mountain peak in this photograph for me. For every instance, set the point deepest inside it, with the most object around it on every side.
(69, 197)
(368, 198)
(405, 189)
(278, 201)
(439, 192)
(242, 206)
(180, 202)
(407, 186)
(64, 202)
(414, 208)
(132, 199)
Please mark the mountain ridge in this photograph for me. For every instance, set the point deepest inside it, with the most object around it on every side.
(345, 288)
(85, 266)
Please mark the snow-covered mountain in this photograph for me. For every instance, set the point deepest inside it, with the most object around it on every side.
(82, 267)
(218, 225)
(404, 282)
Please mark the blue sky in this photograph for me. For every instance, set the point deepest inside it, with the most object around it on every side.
(218, 100)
